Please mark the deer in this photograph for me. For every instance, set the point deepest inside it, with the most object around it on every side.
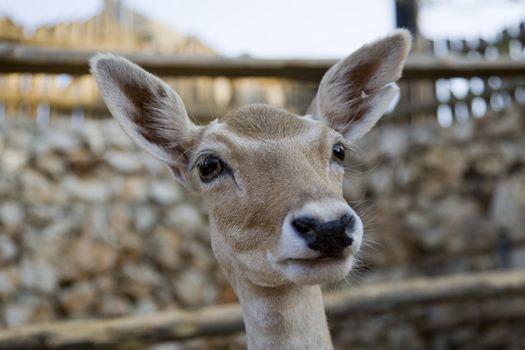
(272, 181)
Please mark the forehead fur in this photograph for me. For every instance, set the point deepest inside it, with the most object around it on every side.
(261, 121)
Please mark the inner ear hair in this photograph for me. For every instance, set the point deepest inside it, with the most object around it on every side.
(356, 85)
(148, 110)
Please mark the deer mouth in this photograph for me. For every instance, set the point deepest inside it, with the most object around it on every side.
(317, 270)
(319, 259)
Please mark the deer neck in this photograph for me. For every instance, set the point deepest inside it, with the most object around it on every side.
(287, 317)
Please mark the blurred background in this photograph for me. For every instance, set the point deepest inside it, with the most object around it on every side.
(93, 228)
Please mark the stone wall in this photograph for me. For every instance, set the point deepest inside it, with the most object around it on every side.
(443, 200)
(90, 226)
(93, 227)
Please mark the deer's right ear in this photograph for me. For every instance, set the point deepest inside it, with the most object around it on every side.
(357, 90)
(148, 110)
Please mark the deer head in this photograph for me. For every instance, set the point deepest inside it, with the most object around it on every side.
(272, 179)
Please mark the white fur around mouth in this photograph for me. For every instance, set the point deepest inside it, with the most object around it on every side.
(315, 270)
(318, 260)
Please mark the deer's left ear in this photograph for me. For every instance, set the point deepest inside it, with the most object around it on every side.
(149, 111)
(357, 90)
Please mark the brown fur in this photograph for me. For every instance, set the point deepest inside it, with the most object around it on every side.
(261, 121)
(262, 204)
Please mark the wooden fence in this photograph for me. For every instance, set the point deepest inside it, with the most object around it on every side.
(136, 332)
(508, 43)
(492, 75)
(487, 84)
(26, 59)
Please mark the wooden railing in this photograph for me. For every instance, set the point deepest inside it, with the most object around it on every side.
(26, 59)
(418, 84)
(135, 332)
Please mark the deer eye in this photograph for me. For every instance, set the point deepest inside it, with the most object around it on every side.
(338, 152)
(210, 168)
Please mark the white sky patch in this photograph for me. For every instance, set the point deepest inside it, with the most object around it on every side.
(34, 13)
(292, 28)
(470, 19)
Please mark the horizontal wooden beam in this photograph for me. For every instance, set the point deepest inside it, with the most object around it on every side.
(28, 59)
(134, 332)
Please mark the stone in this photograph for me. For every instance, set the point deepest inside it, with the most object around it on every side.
(366, 150)
(134, 189)
(354, 186)
(432, 239)
(92, 131)
(13, 160)
(119, 218)
(23, 138)
(8, 184)
(186, 218)
(387, 241)
(193, 289)
(113, 306)
(155, 167)
(59, 139)
(486, 160)
(9, 282)
(199, 254)
(114, 136)
(407, 174)
(144, 218)
(34, 246)
(8, 249)
(51, 163)
(82, 162)
(422, 136)
(87, 190)
(38, 275)
(508, 205)
(164, 248)
(17, 314)
(503, 126)
(88, 257)
(393, 142)
(454, 208)
(42, 215)
(139, 279)
(490, 166)
(450, 224)
(461, 132)
(27, 308)
(471, 233)
(11, 215)
(104, 284)
(146, 306)
(449, 162)
(59, 229)
(381, 181)
(165, 192)
(517, 258)
(78, 299)
(124, 162)
(37, 188)
(95, 220)
(511, 152)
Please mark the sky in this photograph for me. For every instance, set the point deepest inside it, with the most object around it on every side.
(287, 28)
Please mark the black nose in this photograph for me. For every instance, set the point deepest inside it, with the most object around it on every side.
(329, 238)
